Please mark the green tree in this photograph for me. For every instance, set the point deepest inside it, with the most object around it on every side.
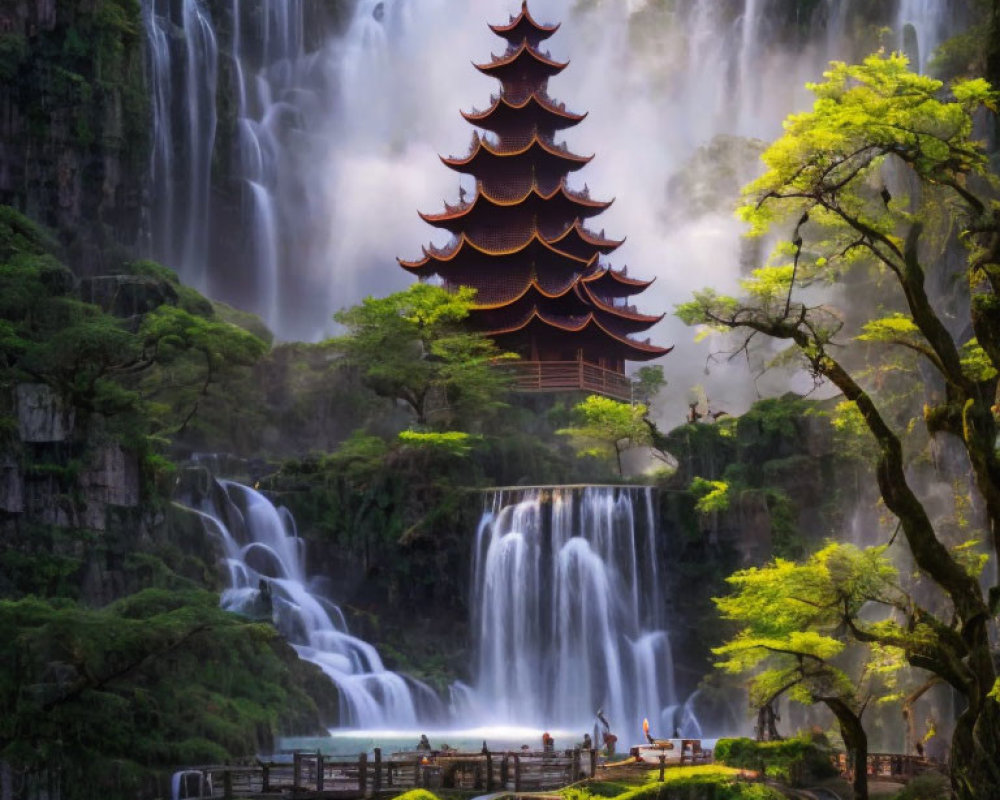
(192, 354)
(608, 427)
(826, 182)
(647, 383)
(792, 639)
(143, 376)
(414, 346)
(95, 699)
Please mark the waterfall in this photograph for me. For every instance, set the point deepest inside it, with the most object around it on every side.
(181, 42)
(265, 561)
(162, 148)
(921, 26)
(335, 137)
(567, 613)
(268, 46)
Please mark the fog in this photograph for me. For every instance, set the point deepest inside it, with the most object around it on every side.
(343, 145)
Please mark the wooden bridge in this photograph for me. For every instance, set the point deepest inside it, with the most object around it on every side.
(313, 775)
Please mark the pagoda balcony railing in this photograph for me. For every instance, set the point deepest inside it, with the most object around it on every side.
(564, 376)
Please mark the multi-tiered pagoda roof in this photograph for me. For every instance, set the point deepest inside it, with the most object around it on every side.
(521, 239)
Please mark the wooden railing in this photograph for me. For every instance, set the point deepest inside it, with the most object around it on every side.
(893, 766)
(314, 775)
(555, 376)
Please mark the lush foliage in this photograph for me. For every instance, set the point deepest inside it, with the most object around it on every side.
(716, 782)
(828, 181)
(412, 346)
(607, 427)
(145, 378)
(792, 639)
(799, 760)
(156, 680)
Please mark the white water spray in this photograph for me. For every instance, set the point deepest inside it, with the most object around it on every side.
(337, 148)
(264, 556)
(566, 611)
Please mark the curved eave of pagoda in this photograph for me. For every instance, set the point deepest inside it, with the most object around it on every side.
(524, 25)
(502, 64)
(492, 119)
(641, 350)
(577, 231)
(452, 217)
(534, 288)
(613, 282)
(633, 320)
(485, 152)
(439, 258)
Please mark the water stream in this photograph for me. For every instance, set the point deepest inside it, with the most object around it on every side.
(567, 612)
(265, 561)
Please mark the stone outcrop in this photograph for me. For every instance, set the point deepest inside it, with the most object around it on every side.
(11, 485)
(127, 295)
(42, 417)
(74, 122)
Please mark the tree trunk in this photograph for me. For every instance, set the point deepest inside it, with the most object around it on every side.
(855, 740)
(974, 761)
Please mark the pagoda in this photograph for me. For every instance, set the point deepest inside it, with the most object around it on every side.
(522, 240)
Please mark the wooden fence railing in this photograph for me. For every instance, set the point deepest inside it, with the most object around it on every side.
(313, 775)
(894, 766)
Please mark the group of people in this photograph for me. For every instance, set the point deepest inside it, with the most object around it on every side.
(548, 743)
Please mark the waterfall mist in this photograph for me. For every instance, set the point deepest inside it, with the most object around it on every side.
(334, 149)
(567, 613)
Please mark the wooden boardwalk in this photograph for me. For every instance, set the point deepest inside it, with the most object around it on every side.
(313, 775)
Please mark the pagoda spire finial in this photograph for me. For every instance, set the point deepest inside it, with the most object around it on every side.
(524, 27)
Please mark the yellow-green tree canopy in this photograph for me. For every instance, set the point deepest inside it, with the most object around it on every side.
(885, 165)
(792, 638)
(607, 427)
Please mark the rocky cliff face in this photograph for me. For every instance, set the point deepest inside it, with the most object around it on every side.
(74, 122)
(74, 519)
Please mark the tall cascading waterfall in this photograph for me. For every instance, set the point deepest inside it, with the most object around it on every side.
(271, 71)
(335, 145)
(181, 44)
(567, 612)
(264, 557)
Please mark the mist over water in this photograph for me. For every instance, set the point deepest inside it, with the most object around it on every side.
(336, 149)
